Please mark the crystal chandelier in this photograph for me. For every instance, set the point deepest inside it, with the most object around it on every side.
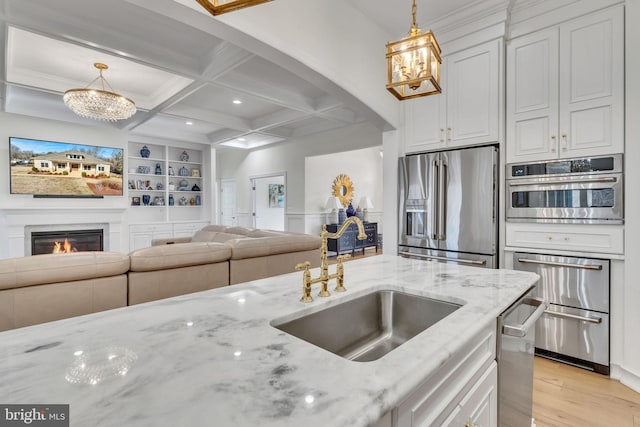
(414, 64)
(218, 7)
(99, 104)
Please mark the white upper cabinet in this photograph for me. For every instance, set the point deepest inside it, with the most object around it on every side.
(468, 110)
(565, 89)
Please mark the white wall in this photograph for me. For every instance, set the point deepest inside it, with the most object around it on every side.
(290, 157)
(631, 350)
(363, 166)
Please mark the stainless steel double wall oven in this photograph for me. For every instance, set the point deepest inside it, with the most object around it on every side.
(585, 190)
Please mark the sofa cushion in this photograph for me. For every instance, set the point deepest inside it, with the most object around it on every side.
(265, 246)
(55, 268)
(182, 255)
(215, 227)
(204, 236)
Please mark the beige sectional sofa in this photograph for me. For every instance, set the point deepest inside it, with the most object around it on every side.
(255, 253)
(43, 288)
(50, 287)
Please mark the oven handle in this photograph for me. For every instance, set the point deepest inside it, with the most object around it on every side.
(596, 320)
(521, 331)
(564, 182)
(442, 258)
(561, 264)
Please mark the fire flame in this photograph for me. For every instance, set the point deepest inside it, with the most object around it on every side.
(63, 248)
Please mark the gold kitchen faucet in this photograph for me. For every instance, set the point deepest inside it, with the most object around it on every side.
(324, 278)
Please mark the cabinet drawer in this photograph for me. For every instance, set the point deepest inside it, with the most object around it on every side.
(574, 237)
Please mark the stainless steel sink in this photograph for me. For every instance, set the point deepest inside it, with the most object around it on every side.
(368, 327)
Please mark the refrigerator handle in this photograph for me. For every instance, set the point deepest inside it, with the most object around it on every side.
(434, 181)
(442, 202)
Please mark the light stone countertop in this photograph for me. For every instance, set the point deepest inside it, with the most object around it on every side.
(213, 359)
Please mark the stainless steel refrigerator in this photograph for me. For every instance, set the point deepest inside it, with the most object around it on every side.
(448, 206)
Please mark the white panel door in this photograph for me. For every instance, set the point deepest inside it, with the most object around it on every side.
(532, 96)
(228, 215)
(592, 84)
(473, 94)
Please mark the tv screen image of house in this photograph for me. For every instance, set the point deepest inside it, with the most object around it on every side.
(49, 168)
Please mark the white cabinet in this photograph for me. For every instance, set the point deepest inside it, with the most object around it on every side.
(468, 110)
(565, 89)
(595, 238)
(459, 387)
(479, 408)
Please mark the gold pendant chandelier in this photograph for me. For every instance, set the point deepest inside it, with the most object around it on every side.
(99, 104)
(414, 64)
(218, 7)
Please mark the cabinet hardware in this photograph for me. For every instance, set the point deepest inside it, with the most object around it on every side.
(596, 320)
(441, 258)
(561, 264)
(564, 142)
(553, 143)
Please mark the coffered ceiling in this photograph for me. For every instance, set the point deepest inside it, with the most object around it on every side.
(184, 80)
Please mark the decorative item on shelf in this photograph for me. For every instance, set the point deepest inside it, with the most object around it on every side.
(195, 187)
(135, 201)
(146, 199)
(159, 186)
(413, 64)
(144, 169)
(145, 152)
(183, 171)
(365, 204)
(99, 103)
(171, 202)
(342, 188)
(183, 201)
(171, 172)
(333, 204)
(218, 7)
(183, 185)
(198, 200)
(342, 216)
(156, 201)
(351, 211)
(184, 157)
(195, 173)
(192, 201)
(158, 169)
(172, 186)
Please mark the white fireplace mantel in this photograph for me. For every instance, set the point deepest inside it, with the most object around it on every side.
(18, 222)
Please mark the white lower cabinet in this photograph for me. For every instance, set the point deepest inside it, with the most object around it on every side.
(479, 408)
(463, 390)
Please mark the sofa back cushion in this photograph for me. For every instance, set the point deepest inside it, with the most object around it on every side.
(55, 268)
(175, 256)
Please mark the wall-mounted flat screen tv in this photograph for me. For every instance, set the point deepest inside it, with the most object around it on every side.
(60, 169)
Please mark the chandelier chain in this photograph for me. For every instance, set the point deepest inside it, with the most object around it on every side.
(414, 10)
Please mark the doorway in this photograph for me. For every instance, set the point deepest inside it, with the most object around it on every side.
(269, 201)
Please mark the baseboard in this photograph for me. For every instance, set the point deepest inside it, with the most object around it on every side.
(626, 377)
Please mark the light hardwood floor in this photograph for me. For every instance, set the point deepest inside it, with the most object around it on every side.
(566, 396)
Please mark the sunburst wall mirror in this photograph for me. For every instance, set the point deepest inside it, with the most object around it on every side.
(343, 189)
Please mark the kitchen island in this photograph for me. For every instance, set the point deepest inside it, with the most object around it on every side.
(213, 358)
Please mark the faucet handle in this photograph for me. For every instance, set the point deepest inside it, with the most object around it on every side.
(303, 265)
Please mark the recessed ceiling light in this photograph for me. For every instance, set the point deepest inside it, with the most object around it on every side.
(237, 101)
(242, 139)
(188, 123)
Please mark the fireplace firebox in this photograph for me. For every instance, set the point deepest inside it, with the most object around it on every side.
(46, 242)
